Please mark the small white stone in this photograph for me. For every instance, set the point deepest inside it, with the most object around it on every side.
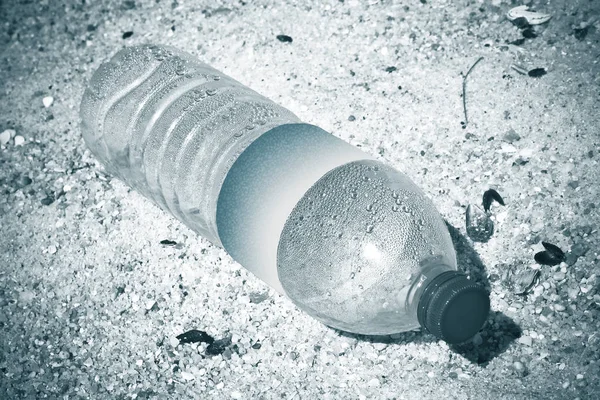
(374, 382)
(236, 395)
(566, 384)
(48, 100)
(579, 377)
(150, 304)
(559, 307)
(6, 135)
(173, 341)
(139, 363)
(187, 376)
(526, 340)
(19, 140)
(220, 385)
(52, 249)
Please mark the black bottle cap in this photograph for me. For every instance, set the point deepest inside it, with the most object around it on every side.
(453, 308)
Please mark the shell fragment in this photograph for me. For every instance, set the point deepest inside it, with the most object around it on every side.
(532, 17)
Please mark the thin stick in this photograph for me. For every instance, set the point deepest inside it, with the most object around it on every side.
(465, 90)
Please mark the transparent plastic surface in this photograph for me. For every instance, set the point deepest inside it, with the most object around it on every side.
(357, 246)
(171, 127)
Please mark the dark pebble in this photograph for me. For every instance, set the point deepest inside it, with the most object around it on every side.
(227, 354)
(573, 184)
(195, 336)
(91, 28)
(167, 242)
(579, 249)
(580, 34)
(24, 181)
(480, 227)
(257, 297)
(537, 72)
(127, 35)
(47, 200)
(571, 259)
(511, 136)
(256, 346)
(218, 346)
(351, 118)
(520, 162)
(391, 69)
(284, 38)
(453, 375)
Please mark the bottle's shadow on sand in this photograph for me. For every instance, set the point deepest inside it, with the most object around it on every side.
(496, 335)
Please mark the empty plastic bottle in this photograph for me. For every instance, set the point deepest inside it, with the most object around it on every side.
(350, 240)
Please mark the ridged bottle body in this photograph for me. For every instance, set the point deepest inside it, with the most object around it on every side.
(348, 239)
(171, 127)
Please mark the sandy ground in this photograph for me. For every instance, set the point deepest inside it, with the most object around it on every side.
(91, 302)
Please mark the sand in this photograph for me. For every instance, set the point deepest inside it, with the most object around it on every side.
(91, 302)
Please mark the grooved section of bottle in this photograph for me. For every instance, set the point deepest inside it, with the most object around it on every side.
(171, 127)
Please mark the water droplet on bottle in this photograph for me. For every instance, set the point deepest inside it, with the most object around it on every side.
(398, 201)
(370, 228)
(352, 275)
(238, 134)
(365, 178)
(216, 77)
(405, 209)
(328, 294)
(250, 127)
(361, 287)
(394, 208)
(385, 305)
(369, 207)
(339, 235)
(394, 194)
(261, 122)
(301, 218)
(211, 92)
(421, 221)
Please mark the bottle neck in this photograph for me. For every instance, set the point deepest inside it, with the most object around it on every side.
(429, 270)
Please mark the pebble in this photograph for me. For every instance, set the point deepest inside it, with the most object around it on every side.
(173, 341)
(52, 249)
(519, 367)
(187, 376)
(566, 384)
(236, 395)
(6, 135)
(48, 100)
(559, 276)
(374, 382)
(559, 307)
(526, 340)
(579, 249)
(19, 140)
(579, 377)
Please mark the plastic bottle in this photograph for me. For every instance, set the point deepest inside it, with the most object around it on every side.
(350, 240)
